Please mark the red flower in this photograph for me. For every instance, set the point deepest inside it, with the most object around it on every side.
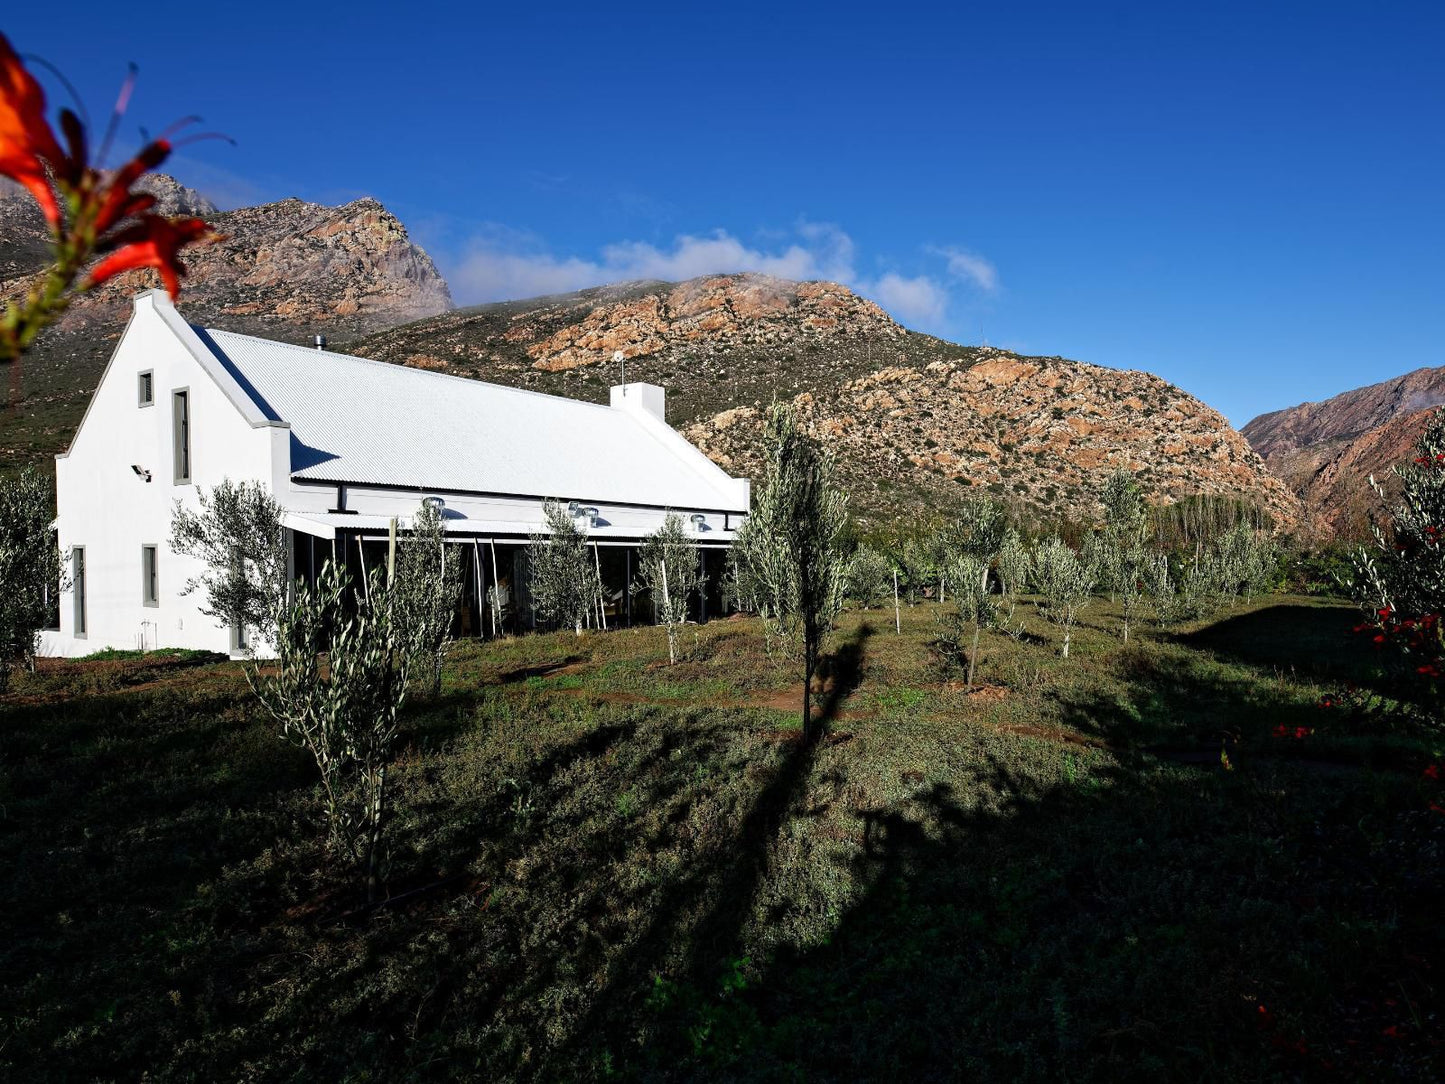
(28, 147)
(1432, 772)
(117, 201)
(152, 242)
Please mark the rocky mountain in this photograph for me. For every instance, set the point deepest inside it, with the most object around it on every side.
(1326, 451)
(917, 423)
(285, 270)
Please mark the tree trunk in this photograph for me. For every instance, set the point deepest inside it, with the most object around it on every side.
(897, 617)
(1066, 643)
(973, 655)
(373, 843)
(807, 696)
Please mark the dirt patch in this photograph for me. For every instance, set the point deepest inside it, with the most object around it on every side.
(1054, 734)
(985, 694)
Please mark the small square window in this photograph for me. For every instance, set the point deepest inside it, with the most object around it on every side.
(145, 389)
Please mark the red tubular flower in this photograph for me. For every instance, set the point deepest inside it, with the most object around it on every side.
(117, 201)
(1432, 772)
(28, 147)
(152, 242)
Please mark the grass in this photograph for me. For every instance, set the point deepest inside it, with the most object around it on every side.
(604, 867)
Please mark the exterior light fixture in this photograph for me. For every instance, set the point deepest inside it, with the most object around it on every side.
(141, 472)
(698, 521)
(433, 502)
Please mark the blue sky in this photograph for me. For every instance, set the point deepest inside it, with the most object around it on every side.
(1243, 198)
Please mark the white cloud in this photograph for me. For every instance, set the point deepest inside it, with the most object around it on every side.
(505, 264)
(919, 298)
(967, 267)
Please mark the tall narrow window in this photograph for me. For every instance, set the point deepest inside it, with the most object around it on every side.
(181, 435)
(150, 590)
(77, 587)
(145, 393)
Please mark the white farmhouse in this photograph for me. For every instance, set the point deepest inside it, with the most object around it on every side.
(345, 444)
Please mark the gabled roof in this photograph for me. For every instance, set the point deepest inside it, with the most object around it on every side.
(370, 422)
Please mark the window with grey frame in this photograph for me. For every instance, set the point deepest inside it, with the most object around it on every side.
(150, 589)
(145, 392)
(181, 434)
(77, 587)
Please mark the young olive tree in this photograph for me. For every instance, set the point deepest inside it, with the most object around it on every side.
(30, 569)
(1066, 583)
(976, 537)
(564, 577)
(1126, 516)
(1014, 563)
(869, 577)
(344, 713)
(670, 571)
(1160, 589)
(425, 587)
(1130, 571)
(238, 535)
(791, 546)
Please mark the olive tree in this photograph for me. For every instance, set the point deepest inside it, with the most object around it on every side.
(974, 540)
(237, 534)
(791, 546)
(1065, 582)
(1014, 564)
(1125, 513)
(425, 587)
(563, 574)
(30, 569)
(869, 577)
(670, 571)
(343, 713)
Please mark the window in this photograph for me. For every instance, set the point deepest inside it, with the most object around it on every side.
(150, 591)
(77, 587)
(181, 435)
(145, 389)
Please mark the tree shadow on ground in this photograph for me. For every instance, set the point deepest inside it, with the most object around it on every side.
(672, 895)
(1312, 642)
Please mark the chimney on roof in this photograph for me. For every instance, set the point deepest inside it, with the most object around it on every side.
(319, 341)
(640, 399)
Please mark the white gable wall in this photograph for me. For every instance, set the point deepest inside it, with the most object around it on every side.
(110, 511)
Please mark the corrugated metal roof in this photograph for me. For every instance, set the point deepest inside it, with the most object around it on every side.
(371, 422)
(326, 524)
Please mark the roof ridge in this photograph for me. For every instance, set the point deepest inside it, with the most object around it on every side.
(472, 381)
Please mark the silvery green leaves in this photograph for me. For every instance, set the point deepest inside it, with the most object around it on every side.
(344, 711)
(1066, 583)
(30, 568)
(670, 573)
(563, 573)
(425, 589)
(790, 551)
(237, 533)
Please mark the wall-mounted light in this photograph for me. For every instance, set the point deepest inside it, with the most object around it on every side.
(435, 503)
(141, 472)
(699, 521)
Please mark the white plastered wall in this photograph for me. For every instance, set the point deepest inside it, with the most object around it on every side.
(106, 507)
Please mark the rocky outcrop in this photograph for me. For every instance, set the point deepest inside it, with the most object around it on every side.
(917, 423)
(1041, 432)
(285, 270)
(1326, 451)
(1347, 415)
(712, 341)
